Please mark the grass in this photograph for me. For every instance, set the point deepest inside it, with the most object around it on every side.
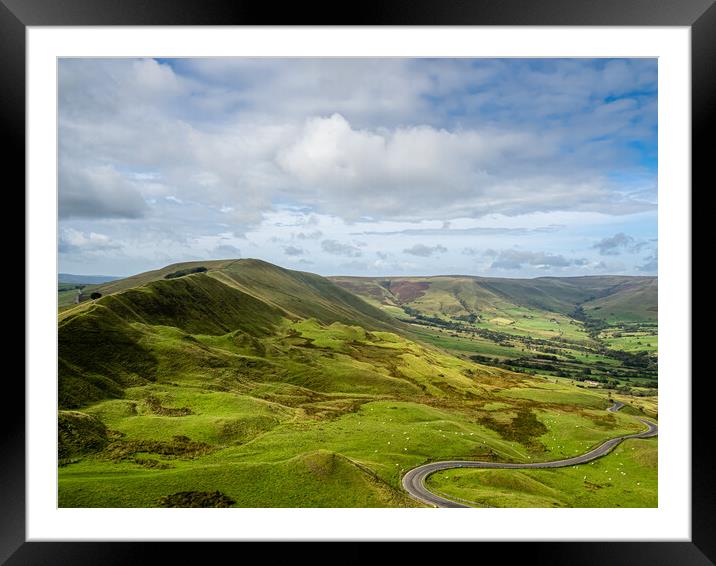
(67, 297)
(316, 479)
(494, 329)
(555, 393)
(382, 439)
(627, 477)
(249, 385)
(638, 341)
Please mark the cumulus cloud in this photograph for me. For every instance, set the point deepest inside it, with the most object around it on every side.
(343, 163)
(517, 259)
(226, 251)
(98, 192)
(337, 248)
(72, 240)
(315, 235)
(293, 250)
(650, 264)
(421, 250)
(616, 244)
(407, 171)
(179, 150)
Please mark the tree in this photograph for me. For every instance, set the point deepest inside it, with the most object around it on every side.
(95, 295)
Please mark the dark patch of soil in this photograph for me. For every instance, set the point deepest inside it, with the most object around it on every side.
(177, 447)
(155, 406)
(524, 428)
(603, 421)
(196, 499)
(153, 464)
(79, 433)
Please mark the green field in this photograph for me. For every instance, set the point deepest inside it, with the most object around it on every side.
(627, 477)
(253, 386)
(591, 329)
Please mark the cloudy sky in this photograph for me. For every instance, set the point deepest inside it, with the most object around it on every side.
(503, 167)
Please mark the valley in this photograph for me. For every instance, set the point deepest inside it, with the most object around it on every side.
(240, 383)
(544, 326)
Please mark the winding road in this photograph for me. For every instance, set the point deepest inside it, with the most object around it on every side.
(414, 480)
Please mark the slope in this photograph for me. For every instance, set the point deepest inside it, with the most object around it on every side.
(625, 298)
(251, 385)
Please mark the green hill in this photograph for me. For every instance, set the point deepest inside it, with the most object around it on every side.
(297, 294)
(622, 297)
(600, 330)
(630, 300)
(242, 383)
(112, 342)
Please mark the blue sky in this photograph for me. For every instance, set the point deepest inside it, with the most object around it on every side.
(502, 167)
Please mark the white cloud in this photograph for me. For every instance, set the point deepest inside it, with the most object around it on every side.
(226, 251)
(293, 250)
(421, 250)
(162, 157)
(650, 265)
(141, 115)
(334, 247)
(618, 243)
(98, 192)
(72, 240)
(517, 259)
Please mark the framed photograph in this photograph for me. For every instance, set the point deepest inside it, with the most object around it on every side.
(388, 279)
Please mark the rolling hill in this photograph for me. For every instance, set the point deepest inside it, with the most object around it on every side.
(110, 343)
(241, 383)
(297, 294)
(600, 330)
(619, 298)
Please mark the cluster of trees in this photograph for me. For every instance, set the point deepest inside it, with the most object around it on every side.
(634, 366)
(593, 326)
(637, 360)
(186, 271)
(497, 337)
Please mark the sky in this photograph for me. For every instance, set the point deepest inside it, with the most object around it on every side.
(374, 167)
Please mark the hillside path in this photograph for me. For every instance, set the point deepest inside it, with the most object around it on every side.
(414, 480)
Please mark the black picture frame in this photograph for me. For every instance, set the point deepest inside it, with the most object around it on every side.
(17, 15)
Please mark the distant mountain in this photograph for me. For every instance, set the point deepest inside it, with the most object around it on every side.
(613, 298)
(85, 279)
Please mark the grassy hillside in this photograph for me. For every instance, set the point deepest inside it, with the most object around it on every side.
(67, 294)
(632, 301)
(625, 478)
(621, 298)
(156, 275)
(296, 293)
(250, 385)
(601, 331)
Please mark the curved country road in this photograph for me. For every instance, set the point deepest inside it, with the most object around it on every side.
(414, 480)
